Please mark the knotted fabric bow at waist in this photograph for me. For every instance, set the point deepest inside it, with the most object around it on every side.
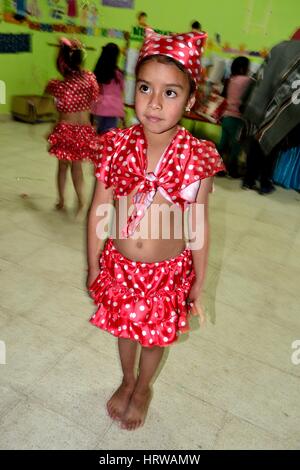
(142, 200)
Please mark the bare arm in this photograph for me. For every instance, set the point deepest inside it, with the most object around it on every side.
(99, 227)
(200, 255)
(127, 40)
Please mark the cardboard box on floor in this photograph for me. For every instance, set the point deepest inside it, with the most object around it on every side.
(33, 108)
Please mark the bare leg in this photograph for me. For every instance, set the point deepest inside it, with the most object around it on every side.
(61, 182)
(77, 177)
(135, 414)
(118, 403)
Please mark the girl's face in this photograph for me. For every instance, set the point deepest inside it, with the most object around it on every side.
(162, 93)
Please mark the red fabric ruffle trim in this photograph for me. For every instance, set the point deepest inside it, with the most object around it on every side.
(152, 320)
(73, 142)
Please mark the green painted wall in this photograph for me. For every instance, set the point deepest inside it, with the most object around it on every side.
(27, 73)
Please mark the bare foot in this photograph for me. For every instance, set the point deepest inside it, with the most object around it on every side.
(118, 403)
(60, 206)
(135, 414)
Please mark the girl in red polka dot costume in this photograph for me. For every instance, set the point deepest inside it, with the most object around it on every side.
(145, 285)
(71, 139)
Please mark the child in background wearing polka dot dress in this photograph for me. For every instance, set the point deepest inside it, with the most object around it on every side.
(70, 140)
(145, 284)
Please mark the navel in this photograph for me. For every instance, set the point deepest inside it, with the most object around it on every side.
(139, 244)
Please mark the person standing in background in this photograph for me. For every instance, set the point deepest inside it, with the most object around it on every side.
(71, 139)
(142, 18)
(232, 121)
(270, 112)
(109, 107)
(196, 27)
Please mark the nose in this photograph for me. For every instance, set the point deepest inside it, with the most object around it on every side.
(155, 102)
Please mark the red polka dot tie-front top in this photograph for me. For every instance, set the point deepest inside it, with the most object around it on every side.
(122, 163)
(75, 93)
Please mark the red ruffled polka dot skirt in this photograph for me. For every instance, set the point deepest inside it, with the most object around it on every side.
(144, 302)
(73, 142)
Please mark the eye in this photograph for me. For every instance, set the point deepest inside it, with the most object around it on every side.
(144, 88)
(171, 93)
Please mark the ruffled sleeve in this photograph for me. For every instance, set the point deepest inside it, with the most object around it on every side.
(52, 87)
(204, 161)
(103, 162)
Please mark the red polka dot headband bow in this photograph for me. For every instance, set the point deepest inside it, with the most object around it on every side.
(73, 44)
(186, 49)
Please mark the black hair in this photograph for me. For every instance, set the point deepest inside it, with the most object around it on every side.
(196, 25)
(106, 66)
(163, 59)
(142, 13)
(69, 59)
(240, 66)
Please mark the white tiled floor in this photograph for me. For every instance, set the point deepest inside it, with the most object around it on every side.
(229, 386)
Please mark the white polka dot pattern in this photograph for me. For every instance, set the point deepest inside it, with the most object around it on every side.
(184, 48)
(192, 160)
(75, 93)
(73, 142)
(150, 309)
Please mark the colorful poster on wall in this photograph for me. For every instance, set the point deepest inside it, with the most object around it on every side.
(72, 8)
(63, 16)
(57, 9)
(12, 43)
(118, 3)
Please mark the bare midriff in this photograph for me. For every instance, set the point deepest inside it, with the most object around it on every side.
(160, 235)
(79, 118)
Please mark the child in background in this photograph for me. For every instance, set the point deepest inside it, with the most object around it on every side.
(232, 121)
(196, 27)
(109, 107)
(142, 19)
(71, 137)
(145, 284)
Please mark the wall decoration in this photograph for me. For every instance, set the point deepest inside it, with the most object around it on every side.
(83, 17)
(21, 8)
(72, 8)
(93, 16)
(33, 9)
(57, 9)
(138, 32)
(251, 24)
(66, 16)
(84, 11)
(12, 43)
(118, 3)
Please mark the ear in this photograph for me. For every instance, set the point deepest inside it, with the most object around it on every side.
(191, 101)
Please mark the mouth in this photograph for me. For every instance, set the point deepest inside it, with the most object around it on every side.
(153, 119)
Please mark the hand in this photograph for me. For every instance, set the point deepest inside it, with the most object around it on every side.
(195, 292)
(126, 35)
(194, 302)
(92, 275)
